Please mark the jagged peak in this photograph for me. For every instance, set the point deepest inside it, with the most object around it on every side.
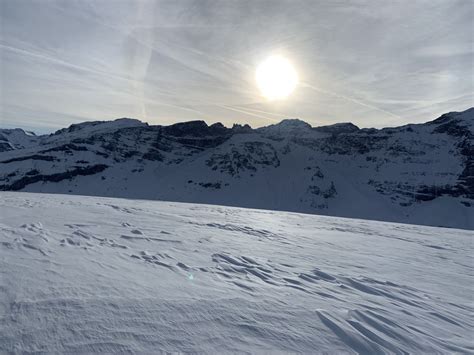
(238, 128)
(195, 128)
(218, 125)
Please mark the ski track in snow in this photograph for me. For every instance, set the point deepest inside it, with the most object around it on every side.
(101, 275)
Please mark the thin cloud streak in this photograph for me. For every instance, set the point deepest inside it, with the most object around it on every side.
(350, 99)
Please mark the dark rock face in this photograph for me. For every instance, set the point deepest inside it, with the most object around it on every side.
(5, 146)
(203, 142)
(195, 129)
(163, 143)
(237, 128)
(69, 174)
(153, 155)
(67, 148)
(253, 155)
(466, 179)
(428, 193)
(453, 124)
(453, 128)
(346, 144)
(29, 157)
(444, 118)
(211, 185)
(338, 128)
(320, 195)
(331, 192)
(32, 172)
(196, 134)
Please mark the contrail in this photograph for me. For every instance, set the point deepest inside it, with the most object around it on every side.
(159, 51)
(55, 60)
(97, 72)
(350, 99)
(66, 64)
(265, 112)
(245, 112)
(435, 103)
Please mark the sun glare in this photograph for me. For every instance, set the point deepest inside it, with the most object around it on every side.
(276, 78)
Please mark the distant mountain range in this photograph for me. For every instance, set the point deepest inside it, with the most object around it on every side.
(417, 173)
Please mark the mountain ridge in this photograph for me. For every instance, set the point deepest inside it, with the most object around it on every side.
(416, 173)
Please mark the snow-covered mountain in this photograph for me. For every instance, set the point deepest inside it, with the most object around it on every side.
(90, 275)
(17, 138)
(417, 173)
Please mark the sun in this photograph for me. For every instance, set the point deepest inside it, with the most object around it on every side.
(276, 78)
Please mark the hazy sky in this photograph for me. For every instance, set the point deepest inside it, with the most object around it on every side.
(375, 63)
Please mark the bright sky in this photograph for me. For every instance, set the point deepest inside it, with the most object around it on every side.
(374, 63)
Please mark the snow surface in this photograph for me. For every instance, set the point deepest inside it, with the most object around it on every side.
(102, 275)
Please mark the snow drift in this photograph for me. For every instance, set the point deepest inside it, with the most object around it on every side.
(102, 275)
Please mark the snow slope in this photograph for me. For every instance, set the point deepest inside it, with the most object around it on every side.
(103, 275)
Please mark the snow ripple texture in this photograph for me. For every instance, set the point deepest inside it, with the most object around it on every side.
(101, 275)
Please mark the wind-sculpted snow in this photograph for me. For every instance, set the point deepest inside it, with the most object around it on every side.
(100, 275)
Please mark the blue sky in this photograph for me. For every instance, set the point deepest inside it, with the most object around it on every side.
(374, 63)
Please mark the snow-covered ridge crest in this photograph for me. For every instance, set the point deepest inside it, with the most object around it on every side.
(100, 125)
(418, 173)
